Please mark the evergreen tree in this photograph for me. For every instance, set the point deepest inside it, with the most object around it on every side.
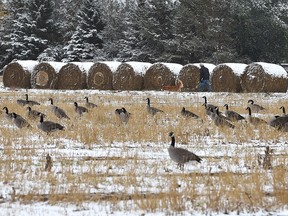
(262, 32)
(86, 42)
(31, 31)
(154, 19)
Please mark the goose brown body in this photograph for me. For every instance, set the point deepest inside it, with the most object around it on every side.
(255, 107)
(60, 113)
(49, 126)
(180, 155)
(254, 120)
(80, 109)
(19, 121)
(152, 110)
(89, 104)
(232, 115)
(188, 114)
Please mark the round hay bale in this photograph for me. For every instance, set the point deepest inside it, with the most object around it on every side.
(190, 75)
(17, 74)
(226, 77)
(160, 74)
(71, 77)
(44, 75)
(130, 76)
(264, 77)
(100, 75)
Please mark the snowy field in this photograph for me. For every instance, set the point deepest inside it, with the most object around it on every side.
(103, 167)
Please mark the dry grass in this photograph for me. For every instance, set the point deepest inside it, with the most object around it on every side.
(99, 159)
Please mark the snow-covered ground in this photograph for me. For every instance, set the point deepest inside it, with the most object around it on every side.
(111, 163)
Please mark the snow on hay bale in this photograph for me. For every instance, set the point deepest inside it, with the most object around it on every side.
(71, 77)
(226, 77)
(17, 74)
(44, 75)
(130, 76)
(190, 75)
(264, 77)
(160, 74)
(100, 75)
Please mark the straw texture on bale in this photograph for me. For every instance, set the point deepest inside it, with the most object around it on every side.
(129, 76)
(100, 75)
(264, 77)
(158, 75)
(71, 77)
(18, 74)
(226, 78)
(43, 76)
(190, 75)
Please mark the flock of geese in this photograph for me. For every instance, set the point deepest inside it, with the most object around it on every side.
(178, 155)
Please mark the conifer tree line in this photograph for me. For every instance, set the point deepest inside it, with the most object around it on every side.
(179, 31)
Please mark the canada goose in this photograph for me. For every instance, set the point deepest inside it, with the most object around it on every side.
(232, 115)
(188, 114)
(207, 106)
(27, 102)
(19, 121)
(152, 110)
(180, 155)
(49, 126)
(220, 121)
(33, 114)
(89, 104)
(254, 120)
(255, 107)
(60, 113)
(7, 115)
(123, 114)
(279, 122)
(79, 109)
(283, 111)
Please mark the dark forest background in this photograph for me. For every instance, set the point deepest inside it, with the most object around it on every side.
(178, 31)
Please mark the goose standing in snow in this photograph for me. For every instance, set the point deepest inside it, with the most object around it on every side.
(255, 107)
(254, 120)
(180, 155)
(188, 114)
(19, 121)
(60, 113)
(89, 104)
(232, 115)
(49, 126)
(80, 109)
(22, 102)
(220, 120)
(33, 114)
(152, 110)
(123, 115)
(207, 106)
(7, 115)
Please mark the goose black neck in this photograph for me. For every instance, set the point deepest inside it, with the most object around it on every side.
(148, 101)
(51, 100)
(86, 99)
(41, 118)
(26, 95)
(205, 99)
(283, 110)
(226, 106)
(6, 110)
(249, 111)
(173, 141)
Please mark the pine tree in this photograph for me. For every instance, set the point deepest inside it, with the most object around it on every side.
(262, 30)
(31, 31)
(86, 41)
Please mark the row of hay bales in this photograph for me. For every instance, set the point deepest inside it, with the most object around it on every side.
(109, 75)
